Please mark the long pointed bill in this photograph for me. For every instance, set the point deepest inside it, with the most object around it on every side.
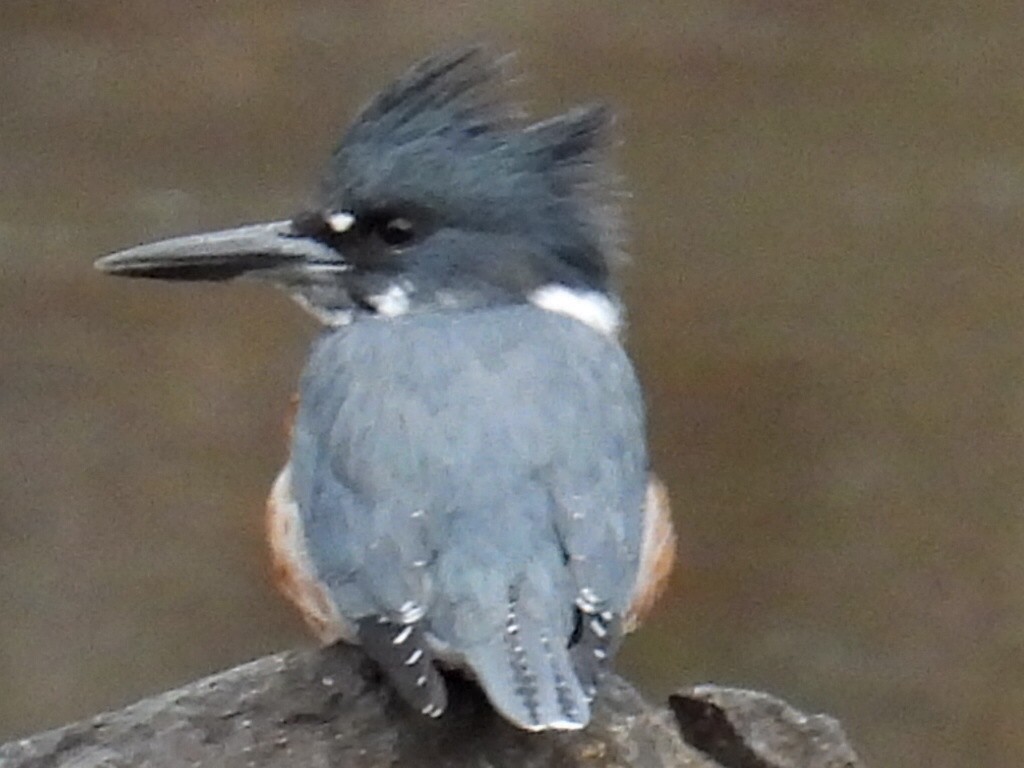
(222, 255)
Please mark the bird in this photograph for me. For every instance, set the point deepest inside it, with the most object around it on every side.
(468, 483)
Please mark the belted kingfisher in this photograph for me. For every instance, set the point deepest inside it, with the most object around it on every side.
(468, 479)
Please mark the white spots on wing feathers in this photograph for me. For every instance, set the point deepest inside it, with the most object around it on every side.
(589, 307)
(410, 612)
(562, 689)
(525, 680)
(414, 657)
(510, 620)
(340, 221)
(402, 636)
(587, 601)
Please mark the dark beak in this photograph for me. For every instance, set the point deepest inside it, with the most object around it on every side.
(273, 249)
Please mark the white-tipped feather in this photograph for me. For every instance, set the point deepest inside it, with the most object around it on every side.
(589, 307)
(394, 302)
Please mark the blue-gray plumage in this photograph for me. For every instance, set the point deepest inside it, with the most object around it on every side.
(476, 493)
(468, 481)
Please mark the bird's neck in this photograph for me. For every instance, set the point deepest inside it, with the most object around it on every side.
(592, 308)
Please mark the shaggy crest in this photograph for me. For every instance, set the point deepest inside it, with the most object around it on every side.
(452, 115)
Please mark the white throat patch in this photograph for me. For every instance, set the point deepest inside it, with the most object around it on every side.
(589, 307)
(394, 302)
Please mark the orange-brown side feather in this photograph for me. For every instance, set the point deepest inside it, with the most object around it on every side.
(657, 554)
(291, 569)
(289, 416)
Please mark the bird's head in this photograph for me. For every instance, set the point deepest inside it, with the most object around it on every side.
(438, 198)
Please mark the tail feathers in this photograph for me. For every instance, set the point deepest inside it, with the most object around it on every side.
(597, 639)
(402, 652)
(528, 676)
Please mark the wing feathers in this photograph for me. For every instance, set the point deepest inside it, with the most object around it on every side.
(402, 652)
(527, 673)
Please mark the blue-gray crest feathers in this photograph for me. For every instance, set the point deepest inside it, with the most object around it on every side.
(448, 135)
(458, 93)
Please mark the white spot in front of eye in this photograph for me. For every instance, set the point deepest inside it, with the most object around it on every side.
(340, 221)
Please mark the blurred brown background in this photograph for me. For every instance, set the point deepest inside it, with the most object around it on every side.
(826, 310)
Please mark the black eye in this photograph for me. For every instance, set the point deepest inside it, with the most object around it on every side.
(396, 230)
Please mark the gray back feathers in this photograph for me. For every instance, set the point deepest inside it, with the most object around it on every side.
(480, 475)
